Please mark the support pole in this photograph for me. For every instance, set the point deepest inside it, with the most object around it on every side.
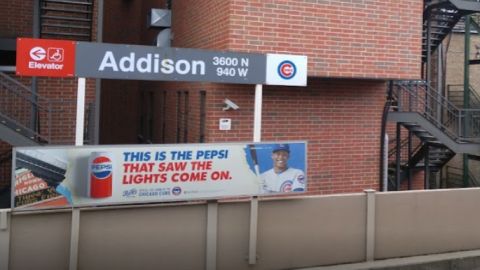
(385, 164)
(4, 238)
(75, 226)
(257, 117)
(427, 167)
(98, 82)
(410, 154)
(34, 86)
(80, 112)
(74, 236)
(257, 136)
(370, 233)
(398, 157)
(252, 243)
(211, 249)
(466, 96)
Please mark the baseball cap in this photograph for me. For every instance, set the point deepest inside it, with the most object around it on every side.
(281, 147)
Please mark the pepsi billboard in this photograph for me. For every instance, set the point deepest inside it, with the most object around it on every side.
(51, 177)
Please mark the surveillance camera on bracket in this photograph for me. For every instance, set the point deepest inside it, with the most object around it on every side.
(230, 105)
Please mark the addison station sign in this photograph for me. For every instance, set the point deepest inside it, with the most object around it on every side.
(61, 58)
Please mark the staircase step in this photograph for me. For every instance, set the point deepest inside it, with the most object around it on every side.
(65, 18)
(417, 129)
(67, 10)
(436, 144)
(69, 2)
(66, 26)
(65, 34)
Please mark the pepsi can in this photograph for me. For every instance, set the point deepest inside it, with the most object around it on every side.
(101, 174)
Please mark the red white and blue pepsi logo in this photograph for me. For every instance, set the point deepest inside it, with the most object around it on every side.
(287, 69)
(176, 191)
(286, 186)
(101, 167)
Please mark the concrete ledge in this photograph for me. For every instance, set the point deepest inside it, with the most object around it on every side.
(464, 260)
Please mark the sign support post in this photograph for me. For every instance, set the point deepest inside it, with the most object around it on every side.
(80, 112)
(75, 226)
(257, 136)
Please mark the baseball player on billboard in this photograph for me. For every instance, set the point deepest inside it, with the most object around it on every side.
(282, 178)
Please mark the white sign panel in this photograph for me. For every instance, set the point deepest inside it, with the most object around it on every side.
(75, 176)
(283, 69)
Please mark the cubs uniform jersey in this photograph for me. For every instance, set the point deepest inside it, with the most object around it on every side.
(286, 181)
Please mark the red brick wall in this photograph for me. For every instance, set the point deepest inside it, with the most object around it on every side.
(125, 22)
(5, 166)
(371, 39)
(201, 24)
(16, 18)
(340, 120)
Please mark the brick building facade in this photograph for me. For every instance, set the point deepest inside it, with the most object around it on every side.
(353, 49)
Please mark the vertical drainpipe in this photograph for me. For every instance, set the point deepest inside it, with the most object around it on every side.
(383, 143)
(466, 94)
(34, 87)
(98, 82)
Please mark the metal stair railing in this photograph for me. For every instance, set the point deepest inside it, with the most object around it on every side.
(455, 94)
(419, 97)
(17, 105)
(416, 145)
(455, 176)
(56, 117)
(440, 17)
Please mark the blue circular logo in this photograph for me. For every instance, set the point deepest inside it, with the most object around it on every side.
(176, 190)
(287, 69)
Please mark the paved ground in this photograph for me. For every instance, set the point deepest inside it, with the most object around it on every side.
(466, 260)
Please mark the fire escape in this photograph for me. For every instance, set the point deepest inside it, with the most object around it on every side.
(26, 117)
(432, 127)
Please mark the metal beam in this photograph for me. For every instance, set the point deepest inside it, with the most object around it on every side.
(466, 94)
(413, 117)
(14, 138)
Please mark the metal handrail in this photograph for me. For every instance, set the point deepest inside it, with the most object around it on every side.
(418, 96)
(416, 145)
(56, 116)
(474, 97)
(455, 171)
(21, 102)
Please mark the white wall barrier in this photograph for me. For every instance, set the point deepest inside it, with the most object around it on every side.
(292, 232)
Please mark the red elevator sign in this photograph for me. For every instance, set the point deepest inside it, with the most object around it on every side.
(45, 57)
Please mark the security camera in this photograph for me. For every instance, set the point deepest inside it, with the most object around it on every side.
(230, 105)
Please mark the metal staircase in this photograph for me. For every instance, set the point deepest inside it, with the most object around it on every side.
(54, 118)
(455, 176)
(439, 18)
(441, 128)
(66, 19)
(455, 93)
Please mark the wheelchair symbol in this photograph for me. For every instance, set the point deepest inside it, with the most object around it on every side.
(55, 54)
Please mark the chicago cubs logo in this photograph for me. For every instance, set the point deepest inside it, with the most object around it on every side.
(287, 69)
(301, 179)
(176, 191)
(101, 167)
(286, 186)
